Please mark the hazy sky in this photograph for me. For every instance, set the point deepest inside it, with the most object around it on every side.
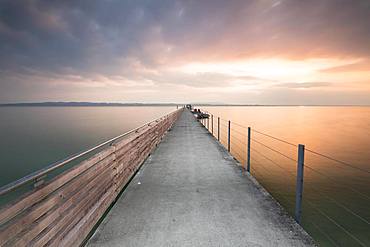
(246, 51)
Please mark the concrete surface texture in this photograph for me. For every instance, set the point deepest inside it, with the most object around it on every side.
(191, 192)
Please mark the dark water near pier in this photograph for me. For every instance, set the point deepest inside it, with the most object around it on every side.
(336, 197)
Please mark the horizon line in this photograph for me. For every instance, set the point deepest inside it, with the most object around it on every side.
(88, 103)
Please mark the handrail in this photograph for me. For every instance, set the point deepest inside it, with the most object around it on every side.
(41, 172)
(295, 145)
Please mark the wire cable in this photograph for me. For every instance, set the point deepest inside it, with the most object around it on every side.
(337, 224)
(334, 181)
(337, 203)
(279, 196)
(236, 131)
(342, 206)
(233, 150)
(292, 175)
(308, 150)
(233, 138)
(242, 126)
(276, 151)
(273, 137)
(323, 233)
(338, 161)
(238, 148)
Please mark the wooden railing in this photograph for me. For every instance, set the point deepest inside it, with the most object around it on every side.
(63, 211)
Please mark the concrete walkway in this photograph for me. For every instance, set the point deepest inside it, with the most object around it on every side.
(190, 192)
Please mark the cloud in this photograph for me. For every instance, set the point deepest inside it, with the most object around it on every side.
(363, 65)
(98, 34)
(128, 44)
(303, 84)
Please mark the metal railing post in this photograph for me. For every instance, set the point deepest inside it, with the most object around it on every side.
(212, 124)
(218, 128)
(228, 137)
(299, 184)
(249, 150)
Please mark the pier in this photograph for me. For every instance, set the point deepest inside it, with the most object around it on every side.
(166, 183)
(192, 192)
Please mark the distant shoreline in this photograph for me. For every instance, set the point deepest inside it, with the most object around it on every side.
(64, 104)
(107, 104)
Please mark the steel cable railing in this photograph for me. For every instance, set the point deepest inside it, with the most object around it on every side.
(323, 233)
(233, 150)
(342, 206)
(314, 152)
(338, 161)
(337, 203)
(242, 126)
(238, 132)
(337, 224)
(269, 173)
(282, 196)
(239, 142)
(335, 182)
(275, 138)
(274, 150)
(309, 167)
(274, 162)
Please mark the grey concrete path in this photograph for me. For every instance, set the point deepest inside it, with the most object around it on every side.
(190, 192)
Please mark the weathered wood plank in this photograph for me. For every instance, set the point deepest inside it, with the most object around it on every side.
(77, 211)
(54, 215)
(36, 195)
(27, 217)
(79, 232)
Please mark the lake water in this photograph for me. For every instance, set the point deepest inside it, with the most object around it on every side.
(33, 137)
(336, 197)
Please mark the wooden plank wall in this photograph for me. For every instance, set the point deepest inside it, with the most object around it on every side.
(63, 211)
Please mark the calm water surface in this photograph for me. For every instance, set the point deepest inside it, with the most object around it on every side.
(32, 137)
(336, 197)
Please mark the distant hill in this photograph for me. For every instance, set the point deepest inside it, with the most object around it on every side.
(87, 104)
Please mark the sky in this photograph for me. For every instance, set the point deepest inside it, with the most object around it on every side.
(205, 51)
